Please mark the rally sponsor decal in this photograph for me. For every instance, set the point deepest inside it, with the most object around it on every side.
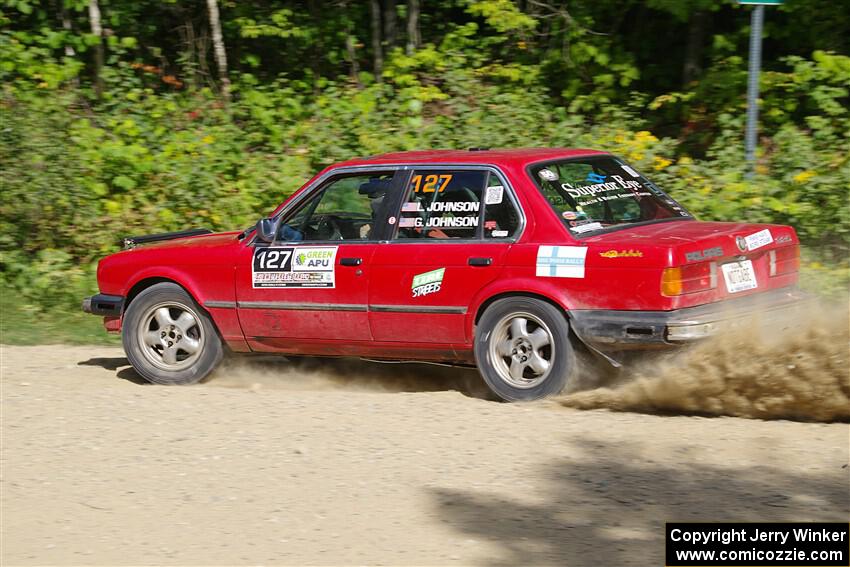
(494, 195)
(600, 189)
(548, 175)
(427, 283)
(585, 226)
(621, 254)
(629, 170)
(294, 267)
(561, 261)
(758, 239)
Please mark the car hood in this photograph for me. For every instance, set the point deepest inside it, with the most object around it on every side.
(214, 240)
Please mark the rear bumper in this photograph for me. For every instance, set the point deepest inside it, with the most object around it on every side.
(106, 305)
(613, 330)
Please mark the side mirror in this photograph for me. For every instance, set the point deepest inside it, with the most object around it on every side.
(267, 230)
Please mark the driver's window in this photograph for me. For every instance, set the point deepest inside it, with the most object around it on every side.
(344, 209)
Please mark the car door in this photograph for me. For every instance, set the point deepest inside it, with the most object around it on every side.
(455, 226)
(311, 285)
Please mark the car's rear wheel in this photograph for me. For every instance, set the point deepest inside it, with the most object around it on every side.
(523, 350)
(168, 338)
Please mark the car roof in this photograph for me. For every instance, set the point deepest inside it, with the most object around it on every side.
(508, 157)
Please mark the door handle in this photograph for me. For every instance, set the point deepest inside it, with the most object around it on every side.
(350, 261)
(480, 261)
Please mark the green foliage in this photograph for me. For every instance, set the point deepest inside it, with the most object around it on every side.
(160, 150)
(24, 323)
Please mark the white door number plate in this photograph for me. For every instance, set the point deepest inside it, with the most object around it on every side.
(739, 276)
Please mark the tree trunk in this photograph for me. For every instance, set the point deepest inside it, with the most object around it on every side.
(66, 25)
(191, 70)
(693, 51)
(218, 48)
(97, 30)
(352, 58)
(317, 47)
(414, 41)
(377, 48)
(390, 23)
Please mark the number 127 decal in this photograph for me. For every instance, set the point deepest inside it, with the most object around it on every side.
(303, 266)
(271, 259)
(430, 183)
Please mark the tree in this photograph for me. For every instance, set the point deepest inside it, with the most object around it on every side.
(390, 23)
(97, 31)
(218, 48)
(697, 25)
(377, 47)
(414, 40)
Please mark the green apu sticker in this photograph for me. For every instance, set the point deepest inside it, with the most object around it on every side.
(427, 283)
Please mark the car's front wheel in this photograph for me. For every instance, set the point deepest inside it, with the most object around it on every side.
(523, 350)
(168, 339)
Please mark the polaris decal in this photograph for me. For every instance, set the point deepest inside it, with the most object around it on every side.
(700, 255)
(294, 267)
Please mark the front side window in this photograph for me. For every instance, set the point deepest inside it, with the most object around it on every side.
(345, 209)
(599, 193)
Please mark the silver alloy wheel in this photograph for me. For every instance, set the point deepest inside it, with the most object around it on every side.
(521, 357)
(171, 336)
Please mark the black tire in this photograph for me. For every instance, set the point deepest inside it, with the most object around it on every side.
(168, 338)
(511, 358)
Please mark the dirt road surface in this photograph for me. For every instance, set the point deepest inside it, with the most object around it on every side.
(356, 463)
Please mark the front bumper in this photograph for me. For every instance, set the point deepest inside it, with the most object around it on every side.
(624, 330)
(102, 304)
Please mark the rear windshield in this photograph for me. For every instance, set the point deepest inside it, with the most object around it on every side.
(600, 193)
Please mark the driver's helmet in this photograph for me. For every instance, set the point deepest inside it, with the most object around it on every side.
(375, 187)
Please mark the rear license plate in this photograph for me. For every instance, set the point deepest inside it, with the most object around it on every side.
(739, 276)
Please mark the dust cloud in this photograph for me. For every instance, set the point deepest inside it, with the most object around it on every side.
(797, 368)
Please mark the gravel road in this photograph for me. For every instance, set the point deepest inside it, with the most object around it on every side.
(356, 463)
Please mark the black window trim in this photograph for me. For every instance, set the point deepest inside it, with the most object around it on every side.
(401, 178)
(319, 185)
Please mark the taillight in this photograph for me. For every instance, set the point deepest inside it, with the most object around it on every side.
(690, 278)
(784, 260)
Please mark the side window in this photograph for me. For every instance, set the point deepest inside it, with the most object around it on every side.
(442, 204)
(501, 219)
(344, 209)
